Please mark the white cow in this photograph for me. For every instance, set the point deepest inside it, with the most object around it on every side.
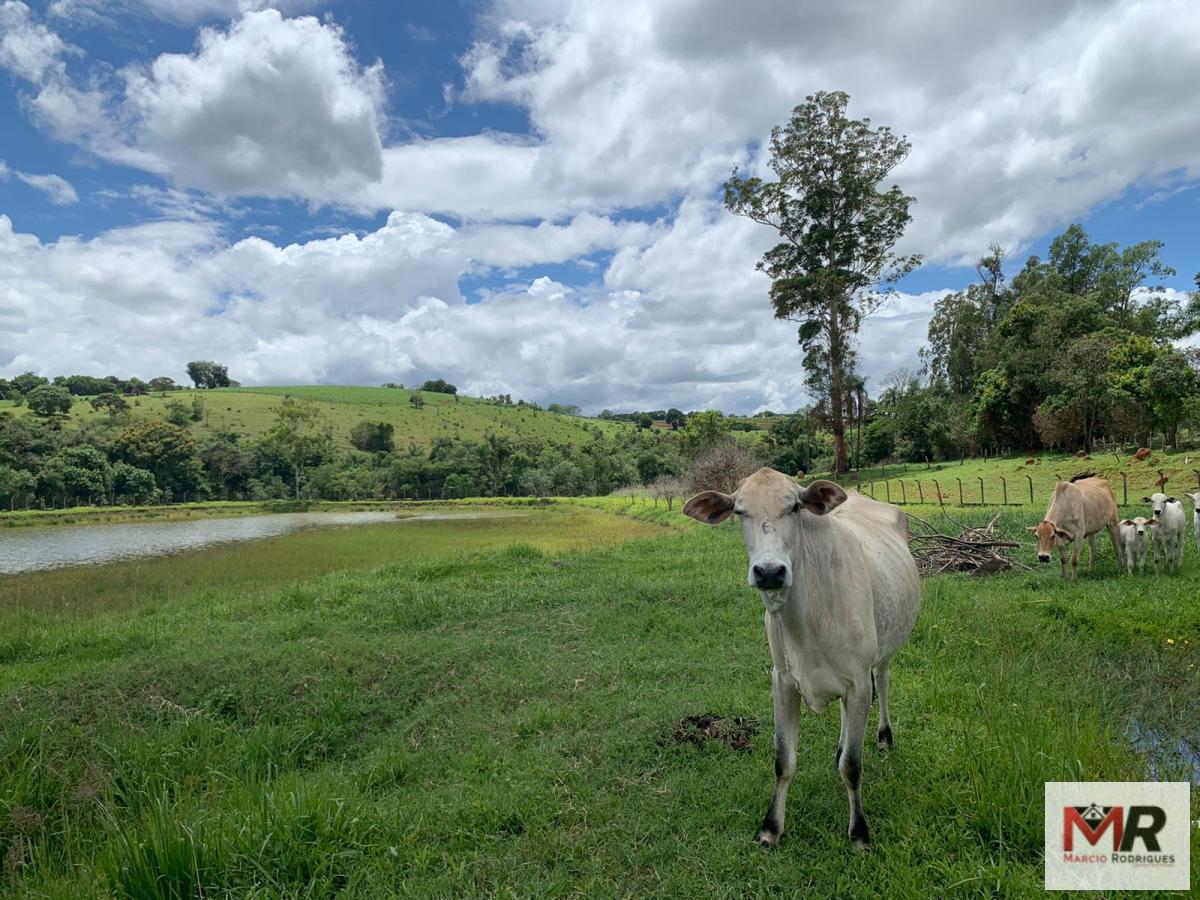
(1170, 524)
(841, 593)
(1134, 536)
(1195, 498)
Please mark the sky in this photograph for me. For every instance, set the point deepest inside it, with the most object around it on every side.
(524, 196)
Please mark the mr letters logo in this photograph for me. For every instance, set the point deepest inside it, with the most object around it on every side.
(1123, 835)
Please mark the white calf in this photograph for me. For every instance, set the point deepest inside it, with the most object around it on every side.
(1135, 541)
(1195, 498)
(1169, 526)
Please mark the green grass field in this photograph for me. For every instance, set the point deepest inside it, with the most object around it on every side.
(1181, 469)
(250, 411)
(491, 708)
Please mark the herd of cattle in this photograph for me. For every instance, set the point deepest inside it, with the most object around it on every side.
(840, 594)
(1085, 505)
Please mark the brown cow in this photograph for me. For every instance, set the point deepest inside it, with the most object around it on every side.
(1079, 509)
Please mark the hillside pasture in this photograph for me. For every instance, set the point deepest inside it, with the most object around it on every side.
(498, 708)
(898, 481)
(251, 412)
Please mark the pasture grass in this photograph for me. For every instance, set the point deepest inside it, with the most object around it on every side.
(251, 411)
(464, 721)
(1182, 469)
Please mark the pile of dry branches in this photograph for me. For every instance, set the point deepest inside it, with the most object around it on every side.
(980, 551)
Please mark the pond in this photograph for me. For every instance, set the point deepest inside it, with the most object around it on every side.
(35, 549)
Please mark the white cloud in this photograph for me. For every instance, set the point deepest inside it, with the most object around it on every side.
(1022, 115)
(180, 12)
(269, 107)
(28, 49)
(57, 189)
(272, 106)
(386, 306)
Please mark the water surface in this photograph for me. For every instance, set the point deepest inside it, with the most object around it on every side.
(35, 549)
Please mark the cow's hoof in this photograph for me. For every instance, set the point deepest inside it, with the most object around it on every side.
(884, 738)
(860, 835)
(767, 839)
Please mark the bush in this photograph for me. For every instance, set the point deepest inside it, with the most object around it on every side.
(720, 468)
(373, 437)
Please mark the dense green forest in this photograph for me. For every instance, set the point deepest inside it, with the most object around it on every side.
(1079, 348)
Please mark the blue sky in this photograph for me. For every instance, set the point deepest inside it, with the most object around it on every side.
(522, 196)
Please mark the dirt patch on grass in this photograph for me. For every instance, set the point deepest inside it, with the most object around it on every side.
(734, 732)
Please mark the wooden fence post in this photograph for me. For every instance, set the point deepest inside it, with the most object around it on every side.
(1004, 488)
(960, 496)
(1029, 478)
(872, 487)
(938, 488)
(903, 493)
(887, 488)
(1124, 489)
(920, 493)
(982, 502)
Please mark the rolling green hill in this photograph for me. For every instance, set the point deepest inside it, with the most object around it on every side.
(250, 411)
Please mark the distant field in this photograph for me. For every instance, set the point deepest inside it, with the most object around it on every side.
(250, 411)
(492, 708)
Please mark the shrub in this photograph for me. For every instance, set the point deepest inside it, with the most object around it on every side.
(720, 468)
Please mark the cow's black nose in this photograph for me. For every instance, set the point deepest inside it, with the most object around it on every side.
(768, 576)
(1043, 557)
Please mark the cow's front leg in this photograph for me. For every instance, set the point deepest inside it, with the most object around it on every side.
(856, 709)
(1091, 554)
(1076, 552)
(787, 719)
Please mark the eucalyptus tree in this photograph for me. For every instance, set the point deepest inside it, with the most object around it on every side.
(834, 264)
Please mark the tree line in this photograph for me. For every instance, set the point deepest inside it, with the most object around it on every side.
(54, 462)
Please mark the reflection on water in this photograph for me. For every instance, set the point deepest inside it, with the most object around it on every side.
(30, 550)
(1167, 754)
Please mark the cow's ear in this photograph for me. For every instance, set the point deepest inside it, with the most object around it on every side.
(1146, 500)
(1065, 535)
(1150, 523)
(821, 497)
(709, 507)
(1127, 522)
(1172, 500)
(1032, 528)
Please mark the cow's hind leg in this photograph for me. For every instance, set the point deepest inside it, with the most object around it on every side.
(1091, 554)
(787, 719)
(837, 757)
(857, 709)
(882, 677)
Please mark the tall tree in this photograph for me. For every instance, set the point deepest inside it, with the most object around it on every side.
(835, 264)
(299, 436)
